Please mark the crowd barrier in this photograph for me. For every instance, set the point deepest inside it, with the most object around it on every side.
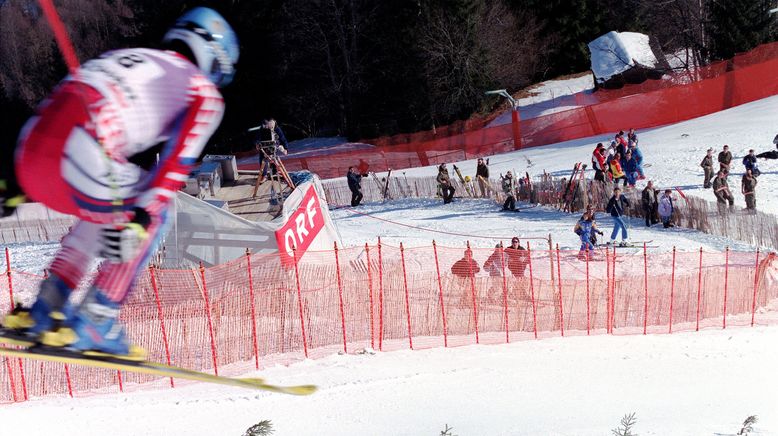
(680, 96)
(255, 312)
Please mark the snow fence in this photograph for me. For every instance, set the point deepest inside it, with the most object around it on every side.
(259, 311)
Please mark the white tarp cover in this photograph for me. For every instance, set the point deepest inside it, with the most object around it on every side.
(617, 52)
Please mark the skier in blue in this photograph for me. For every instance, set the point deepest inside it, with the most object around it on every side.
(584, 228)
(616, 207)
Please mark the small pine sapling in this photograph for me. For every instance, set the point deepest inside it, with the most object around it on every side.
(627, 422)
(447, 431)
(748, 425)
(262, 428)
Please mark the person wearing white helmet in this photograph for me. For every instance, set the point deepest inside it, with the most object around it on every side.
(89, 152)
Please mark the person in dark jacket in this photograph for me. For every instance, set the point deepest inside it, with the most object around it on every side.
(748, 188)
(355, 185)
(632, 137)
(444, 183)
(707, 166)
(631, 169)
(599, 162)
(270, 140)
(516, 258)
(507, 188)
(648, 201)
(749, 161)
(482, 174)
(616, 206)
(725, 161)
(466, 266)
(722, 193)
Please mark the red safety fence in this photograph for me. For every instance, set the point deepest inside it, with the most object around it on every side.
(681, 96)
(254, 312)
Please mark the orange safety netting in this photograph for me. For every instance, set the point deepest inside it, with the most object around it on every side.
(681, 96)
(254, 312)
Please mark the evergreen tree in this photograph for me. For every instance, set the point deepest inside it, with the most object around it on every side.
(739, 25)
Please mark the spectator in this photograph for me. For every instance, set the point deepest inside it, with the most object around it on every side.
(748, 188)
(707, 166)
(466, 266)
(584, 228)
(666, 208)
(725, 161)
(444, 183)
(516, 258)
(507, 188)
(616, 206)
(648, 201)
(749, 161)
(598, 162)
(638, 155)
(631, 169)
(482, 174)
(494, 263)
(632, 137)
(722, 193)
(616, 171)
(355, 185)
(269, 141)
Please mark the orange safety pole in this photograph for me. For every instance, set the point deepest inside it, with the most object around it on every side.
(370, 295)
(699, 291)
(207, 302)
(516, 125)
(440, 293)
(756, 282)
(300, 301)
(613, 291)
(726, 278)
(588, 307)
(472, 290)
(645, 288)
(504, 293)
(11, 377)
(607, 290)
(8, 275)
(253, 310)
(67, 378)
(532, 292)
(155, 287)
(121, 385)
(380, 299)
(672, 293)
(340, 298)
(561, 305)
(60, 34)
(407, 302)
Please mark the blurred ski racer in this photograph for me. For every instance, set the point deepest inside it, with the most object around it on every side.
(89, 152)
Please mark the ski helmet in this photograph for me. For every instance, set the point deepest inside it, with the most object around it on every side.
(212, 41)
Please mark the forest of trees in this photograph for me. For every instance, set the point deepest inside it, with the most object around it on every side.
(366, 68)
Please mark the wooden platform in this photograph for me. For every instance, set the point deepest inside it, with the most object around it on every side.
(237, 194)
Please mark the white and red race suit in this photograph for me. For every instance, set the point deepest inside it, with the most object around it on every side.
(75, 155)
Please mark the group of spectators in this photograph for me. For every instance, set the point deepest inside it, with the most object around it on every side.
(515, 257)
(621, 160)
(720, 182)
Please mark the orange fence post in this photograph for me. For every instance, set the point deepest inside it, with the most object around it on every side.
(472, 290)
(504, 293)
(67, 378)
(516, 127)
(613, 291)
(561, 305)
(11, 380)
(380, 299)
(253, 310)
(161, 317)
(300, 301)
(340, 298)
(8, 275)
(119, 376)
(645, 288)
(756, 282)
(207, 303)
(699, 291)
(440, 293)
(588, 307)
(532, 292)
(407, 302)
(370, 295)
(607, 290)
(672, 293)
(726, 277)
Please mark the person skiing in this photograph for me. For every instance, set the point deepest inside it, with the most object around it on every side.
(748, 189)
(749, 161)
(722, 193)
(648, 200)
(507, 188)
(444, 183)
(482, 174)
(616, 206)
(354, 180)
(584, 228)
(707, 166)
(725, 161)
(89, 152)
(666, 208)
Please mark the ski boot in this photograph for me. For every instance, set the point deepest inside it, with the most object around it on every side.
(50, 307)
(95, 330)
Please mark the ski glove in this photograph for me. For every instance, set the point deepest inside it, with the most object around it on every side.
(123, 242)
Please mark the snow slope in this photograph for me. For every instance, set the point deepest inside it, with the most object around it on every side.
(702, 383)
(673, 151)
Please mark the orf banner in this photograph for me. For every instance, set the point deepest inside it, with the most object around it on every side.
(301, 227)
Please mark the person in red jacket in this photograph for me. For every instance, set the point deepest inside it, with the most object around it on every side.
(598, 163)
(616, 170)
(466, 266)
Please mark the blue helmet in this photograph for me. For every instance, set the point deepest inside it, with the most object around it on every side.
(212, 41)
